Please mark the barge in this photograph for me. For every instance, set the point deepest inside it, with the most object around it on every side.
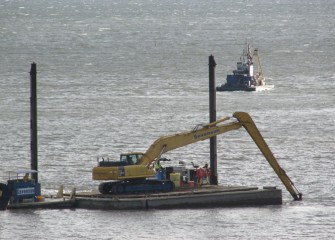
(184, 197)
(208, 196)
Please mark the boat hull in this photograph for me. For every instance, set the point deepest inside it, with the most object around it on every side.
(227, 88)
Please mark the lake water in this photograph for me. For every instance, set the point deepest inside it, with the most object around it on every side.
(114, 75)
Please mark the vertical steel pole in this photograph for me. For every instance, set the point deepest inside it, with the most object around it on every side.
(33, 121)
(212, 118)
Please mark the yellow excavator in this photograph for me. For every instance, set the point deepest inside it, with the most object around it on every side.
(134, 171)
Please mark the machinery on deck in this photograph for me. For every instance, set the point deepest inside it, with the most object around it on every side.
(20, 188)
(134, 170)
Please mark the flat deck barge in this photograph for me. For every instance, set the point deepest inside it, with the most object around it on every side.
(206, 196)
(203, 197)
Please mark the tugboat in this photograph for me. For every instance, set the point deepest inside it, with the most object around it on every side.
(244, 78)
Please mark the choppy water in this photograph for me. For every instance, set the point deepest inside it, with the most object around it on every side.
(115, 75)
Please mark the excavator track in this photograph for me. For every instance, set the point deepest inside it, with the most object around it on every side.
(136, 186)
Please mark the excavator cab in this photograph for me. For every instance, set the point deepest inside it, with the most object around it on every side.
(126, 159)
(131, 158)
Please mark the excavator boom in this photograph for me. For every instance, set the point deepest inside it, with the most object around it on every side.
(168, 143)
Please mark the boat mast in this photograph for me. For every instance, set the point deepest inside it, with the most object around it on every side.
(259, 67)
(248, 63)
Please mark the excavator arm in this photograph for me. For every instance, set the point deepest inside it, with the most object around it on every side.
(254, 133)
